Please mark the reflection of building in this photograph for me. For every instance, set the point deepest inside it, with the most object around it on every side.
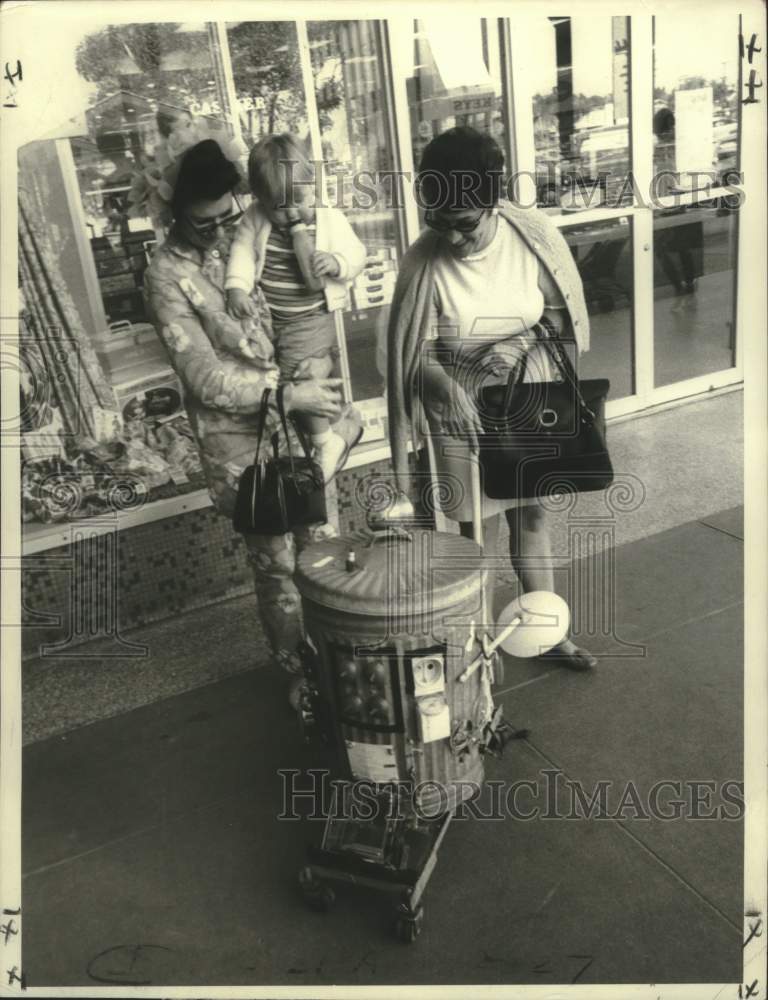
(448, 88)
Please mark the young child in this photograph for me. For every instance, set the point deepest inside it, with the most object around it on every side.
(302, 258)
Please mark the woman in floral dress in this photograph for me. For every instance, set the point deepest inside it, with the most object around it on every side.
(225, 365)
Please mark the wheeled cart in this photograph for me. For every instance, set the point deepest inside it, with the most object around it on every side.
(400, 864)
(400, 691)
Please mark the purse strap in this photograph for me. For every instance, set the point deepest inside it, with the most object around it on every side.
(546, 332)
(516, 376)
(262, 423)
(284, 422)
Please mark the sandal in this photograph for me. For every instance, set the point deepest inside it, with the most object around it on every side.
(579, 659)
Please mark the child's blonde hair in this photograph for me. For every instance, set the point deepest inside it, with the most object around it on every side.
(275, 164)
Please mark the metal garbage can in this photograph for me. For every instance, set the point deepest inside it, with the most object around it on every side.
(391, 619)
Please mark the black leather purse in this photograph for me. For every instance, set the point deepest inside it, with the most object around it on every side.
(544, 437)
(278, 494)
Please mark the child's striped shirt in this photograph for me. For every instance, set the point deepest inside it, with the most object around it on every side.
(282, 281)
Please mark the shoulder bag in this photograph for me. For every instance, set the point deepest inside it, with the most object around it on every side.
(277, 494)
(543, 438)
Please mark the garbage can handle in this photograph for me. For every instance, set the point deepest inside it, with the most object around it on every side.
(389, 533)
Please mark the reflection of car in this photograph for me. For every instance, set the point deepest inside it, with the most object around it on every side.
(725, 152)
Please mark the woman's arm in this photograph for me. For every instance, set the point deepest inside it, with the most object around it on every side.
(225, 384)
(445, 398)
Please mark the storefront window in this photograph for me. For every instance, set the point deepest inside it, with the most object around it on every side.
(268, 81)
(696, 138)
(580, 109)
(156, 89)
(695, 111)
(603, 255)
(350, 89)
(454, 78)
(694, 291)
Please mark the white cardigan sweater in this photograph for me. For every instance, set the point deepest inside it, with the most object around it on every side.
(333, 235)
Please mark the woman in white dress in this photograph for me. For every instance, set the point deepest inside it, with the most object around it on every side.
(469, 292)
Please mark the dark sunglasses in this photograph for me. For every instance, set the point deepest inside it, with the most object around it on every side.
(445, 225)
(209, 227)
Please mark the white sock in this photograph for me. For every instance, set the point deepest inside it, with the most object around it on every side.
(320, 437)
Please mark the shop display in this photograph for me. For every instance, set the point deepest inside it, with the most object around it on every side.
(144, 451)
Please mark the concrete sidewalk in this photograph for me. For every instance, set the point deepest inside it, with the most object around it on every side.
(153, 853)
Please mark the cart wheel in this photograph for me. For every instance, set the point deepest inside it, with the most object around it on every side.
(408, 923)
(317, 895)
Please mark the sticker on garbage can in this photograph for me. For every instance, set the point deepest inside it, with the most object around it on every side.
(373, 761)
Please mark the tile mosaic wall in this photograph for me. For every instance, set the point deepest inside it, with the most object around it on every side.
(104, 586)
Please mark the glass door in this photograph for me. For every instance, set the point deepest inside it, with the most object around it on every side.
(627, 139)
(570, 101)
(695, 129)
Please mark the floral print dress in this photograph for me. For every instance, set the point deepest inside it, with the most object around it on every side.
(224, 390)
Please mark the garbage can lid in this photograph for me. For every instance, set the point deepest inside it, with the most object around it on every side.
(390, 572)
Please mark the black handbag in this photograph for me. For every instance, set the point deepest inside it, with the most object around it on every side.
(278, 494)
(542, 438)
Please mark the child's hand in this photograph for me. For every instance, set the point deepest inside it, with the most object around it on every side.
(313, 368)
(324, 264)
(240, 305)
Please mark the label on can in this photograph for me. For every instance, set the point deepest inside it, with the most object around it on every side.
(373, 761)
(434, 718)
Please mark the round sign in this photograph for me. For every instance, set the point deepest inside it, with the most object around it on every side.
(545, 621)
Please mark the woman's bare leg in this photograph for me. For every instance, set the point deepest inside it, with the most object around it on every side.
(530, 549)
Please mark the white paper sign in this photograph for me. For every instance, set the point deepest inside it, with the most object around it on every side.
(694, 143)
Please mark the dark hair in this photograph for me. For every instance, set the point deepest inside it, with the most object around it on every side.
(664, 122)
(167, 119)
(461, 168)
(205, 174)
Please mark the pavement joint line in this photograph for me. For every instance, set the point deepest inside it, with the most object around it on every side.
(619, 824)
(127, 836)
(722, 531)
(516, 687)
(691, 621)
(677, 875)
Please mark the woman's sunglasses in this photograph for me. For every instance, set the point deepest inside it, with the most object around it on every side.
(209, 227)
(445, 225)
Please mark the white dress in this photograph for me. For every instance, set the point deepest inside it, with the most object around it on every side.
(486, 304)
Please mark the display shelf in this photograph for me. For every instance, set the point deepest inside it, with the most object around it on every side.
(41, 537)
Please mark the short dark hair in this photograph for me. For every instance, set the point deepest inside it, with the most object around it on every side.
(205, 174)
(461, 168)
(167, 119)
(664, 122)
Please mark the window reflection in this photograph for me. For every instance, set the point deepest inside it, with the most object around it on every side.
(695, 119)
(581, 111)
(350, 86)
(603, 255)
(268, 80)
(694, 301)
(157, 94)
(454, 78)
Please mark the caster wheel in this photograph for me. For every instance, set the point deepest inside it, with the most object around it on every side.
(318, 896)
(408, 924)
